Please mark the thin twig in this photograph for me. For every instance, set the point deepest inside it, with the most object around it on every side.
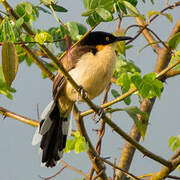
(149, 175)
(114, 170)
(33, 42)
(140, 26)
(152, 19)
(116, 167)
(101, 130)
(73, 168)
(57, 173)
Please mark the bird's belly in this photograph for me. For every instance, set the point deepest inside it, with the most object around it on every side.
(94, 78)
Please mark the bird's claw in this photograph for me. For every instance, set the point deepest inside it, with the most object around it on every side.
(101, 114)
(82, 92)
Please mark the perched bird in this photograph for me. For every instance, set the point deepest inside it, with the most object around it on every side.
(91, 65)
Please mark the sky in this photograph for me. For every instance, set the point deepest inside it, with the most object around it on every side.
(20, 160)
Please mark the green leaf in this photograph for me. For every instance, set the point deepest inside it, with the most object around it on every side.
(126, 100)
(78, 144)
(168, 16)
(82, 28)
(91, 21)
(136, 79)
(51, 68)
(124, 65)
(19, 22)
(98, 11)
(70, 145)
(28, 8)
(131, 8)
(86, 4)
(104, 14)
(88, 12)
(43, 9)
(172, 139)
(178, 168)
(7, 31)
(133, 2)
(58, 8)
(124, 81)
(115, 93)
(176, 144)
(73, 29)
(9, 62)
(174, 41)
(42, 37)
(133, 111)
(47, 2)
(152, 13)
(120, 46)
(4, 90)
(93, 4)
(28, 61)
(27, 11)
(122, 7)
(148, 86)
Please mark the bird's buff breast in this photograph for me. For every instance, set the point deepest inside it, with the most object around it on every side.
(93, 73)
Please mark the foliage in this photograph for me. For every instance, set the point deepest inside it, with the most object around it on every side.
(123, 71)
(58, 39)
(77, 143)
(174, 142)
(148, 86)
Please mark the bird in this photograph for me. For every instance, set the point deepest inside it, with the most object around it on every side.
(91, 64)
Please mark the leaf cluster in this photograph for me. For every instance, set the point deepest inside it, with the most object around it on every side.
(103, 10)
(77, 143)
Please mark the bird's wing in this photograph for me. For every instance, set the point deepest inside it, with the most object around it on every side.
(69, 62)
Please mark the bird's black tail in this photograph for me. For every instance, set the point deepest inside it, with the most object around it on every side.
(54, 130)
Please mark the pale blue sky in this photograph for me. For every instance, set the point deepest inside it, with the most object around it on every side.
(19, 160)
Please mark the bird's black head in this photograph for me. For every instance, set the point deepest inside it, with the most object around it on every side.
(101, 38)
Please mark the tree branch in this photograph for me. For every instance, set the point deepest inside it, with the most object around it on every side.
(101, 130)
(163, 60)
(165, 171)
(97, 164)
(38, 62)
(7, 113)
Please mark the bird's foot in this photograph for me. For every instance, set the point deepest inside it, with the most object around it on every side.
(83, 92)
(101, 114)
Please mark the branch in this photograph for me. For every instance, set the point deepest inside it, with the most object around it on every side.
(91, 152)
(165, 171)
(7, 113)
(172, 73)
(116, 167)
(148, 36)
(38, 62)
(93, 106)
(147, 33)
(97, 164)
(149, 175)
(35, 59)
(131, 91)
(163, 60)
(101, 130)
(73, 168)
(57, 173)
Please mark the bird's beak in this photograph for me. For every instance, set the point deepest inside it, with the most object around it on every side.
(123, 38)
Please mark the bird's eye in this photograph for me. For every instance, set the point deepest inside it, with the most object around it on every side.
(107, 38)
